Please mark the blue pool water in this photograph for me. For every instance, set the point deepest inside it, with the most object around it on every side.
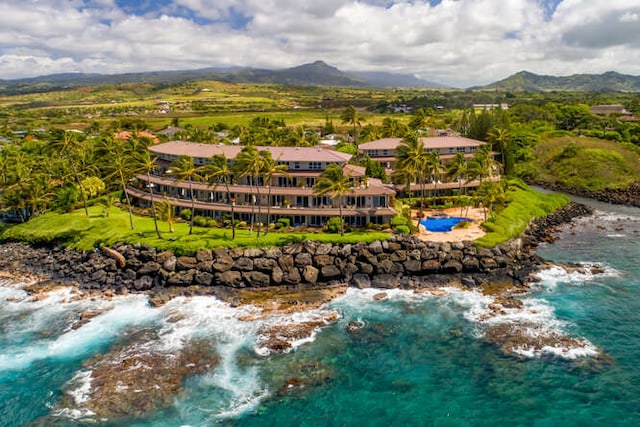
(441, 224)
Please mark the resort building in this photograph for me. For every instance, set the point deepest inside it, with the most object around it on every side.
(289, 196)
(383, 151)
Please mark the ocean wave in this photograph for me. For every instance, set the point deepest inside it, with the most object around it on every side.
(72, 343)
(575, 275)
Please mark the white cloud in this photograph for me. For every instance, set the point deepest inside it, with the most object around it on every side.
(461, 42)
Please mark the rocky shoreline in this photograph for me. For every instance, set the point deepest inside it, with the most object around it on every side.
(399, 262)
(629, 196)
(130, 380)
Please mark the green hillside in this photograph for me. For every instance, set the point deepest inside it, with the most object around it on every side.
(585, 163)
(606, 82)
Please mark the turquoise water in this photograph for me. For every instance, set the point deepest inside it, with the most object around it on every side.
(441, 224)
(418, 359)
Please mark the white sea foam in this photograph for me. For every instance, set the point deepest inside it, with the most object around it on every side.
(81, 393)
(131, 310)
(81, 414)
(554, 275)
(603, 216)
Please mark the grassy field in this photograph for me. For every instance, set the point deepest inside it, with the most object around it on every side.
(86, 233)
(525, 204)
(586, 163)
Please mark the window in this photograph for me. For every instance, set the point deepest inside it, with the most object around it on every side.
(315, 165)
(461, 149)
(296, 165)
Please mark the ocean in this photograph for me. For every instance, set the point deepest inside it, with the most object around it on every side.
(568, 355)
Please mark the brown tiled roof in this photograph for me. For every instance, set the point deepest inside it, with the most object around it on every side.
(432, 142)
(355, 171)
(125, 135)
(285, 154)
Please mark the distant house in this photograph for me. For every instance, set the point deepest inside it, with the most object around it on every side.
(503, 106)
(607, 110)
(125, 135)
(170, 131)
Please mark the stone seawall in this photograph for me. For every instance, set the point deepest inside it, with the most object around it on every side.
(400, 261)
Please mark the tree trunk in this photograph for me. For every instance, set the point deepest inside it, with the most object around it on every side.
(153, 206)
(266, 228)
(126, 196)
(233, 220)
(77, 177)
(341, 219)
(193, 207)
(259, 209)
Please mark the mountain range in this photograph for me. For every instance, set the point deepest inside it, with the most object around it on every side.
(606, 82)
(314, 74)
(320, 74)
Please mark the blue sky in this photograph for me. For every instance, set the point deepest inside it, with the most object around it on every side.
(456, 42)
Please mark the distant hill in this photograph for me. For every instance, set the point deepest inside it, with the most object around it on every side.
(315, 74)
(382, 79)
(606, 82)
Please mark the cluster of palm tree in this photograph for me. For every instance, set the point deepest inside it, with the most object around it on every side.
(64, 169)
(416, 165)
(257, 166)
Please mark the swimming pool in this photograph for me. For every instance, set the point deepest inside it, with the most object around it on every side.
(442, 224)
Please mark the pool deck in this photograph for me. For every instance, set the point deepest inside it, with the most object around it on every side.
(472, 232)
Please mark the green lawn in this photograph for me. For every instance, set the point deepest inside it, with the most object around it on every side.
(79, 232)
(525, 204)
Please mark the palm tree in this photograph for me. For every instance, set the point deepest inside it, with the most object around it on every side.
(491, 194)
(502, 137)
(433, 168)
(184, 169)
(107, 202)
(392, 128)
(481, 164)
(68, 144)
(146, 163)
(217, 171)
(333, 182)
(411, 162)
(270, 168)
(119, 163)
(164, 211)
(350, 116)
(419, 120)
(248, 163)
(457, 170)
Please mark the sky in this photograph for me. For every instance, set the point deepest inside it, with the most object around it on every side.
(455, 42)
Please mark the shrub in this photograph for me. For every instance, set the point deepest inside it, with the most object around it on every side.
(185, 214)
(200, 221)
(241, 224)
(212, 223)
(402, 229)
(285, 222)
(399, 220)
(334, 224)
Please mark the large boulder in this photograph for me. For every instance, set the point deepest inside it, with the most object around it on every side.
(256, 279)
(310, 274)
